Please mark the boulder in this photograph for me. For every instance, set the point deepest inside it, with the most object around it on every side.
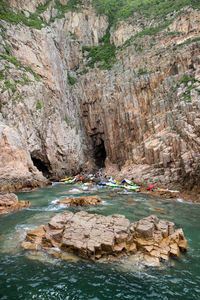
(95, 237)
(9, 202)
(81, 201)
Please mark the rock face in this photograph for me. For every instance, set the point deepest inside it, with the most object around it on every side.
(81, 201)
(35, 88)
(142, 115)
(16, 167)
(9, 202)
(147, 113)
(94, 236)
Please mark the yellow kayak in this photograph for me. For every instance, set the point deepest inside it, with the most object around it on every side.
(66, 179)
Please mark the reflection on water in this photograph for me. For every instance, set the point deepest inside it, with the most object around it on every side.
(40, 275)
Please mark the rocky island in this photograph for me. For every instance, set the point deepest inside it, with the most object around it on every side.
(93, 237)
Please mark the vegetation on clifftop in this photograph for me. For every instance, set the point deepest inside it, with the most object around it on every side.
(34, 20)
(114, 9)
(104, 55)
(122, 9)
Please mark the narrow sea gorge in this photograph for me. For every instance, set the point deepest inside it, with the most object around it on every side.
(37, 275)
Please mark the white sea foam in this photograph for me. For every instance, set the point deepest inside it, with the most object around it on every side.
(55, 201)
(75, 191)
(55, 183)
(180, 199)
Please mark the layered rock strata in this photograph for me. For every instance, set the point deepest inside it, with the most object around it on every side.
(141, 115)
(92, 236)
(9, 202)
(81, 201)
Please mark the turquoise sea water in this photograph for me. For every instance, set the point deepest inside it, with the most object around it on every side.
(34, 275)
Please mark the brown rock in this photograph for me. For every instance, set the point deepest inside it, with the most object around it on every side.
(81, 201)
(174, 249)
(9, 202)
(182, 245)
(16, 167)
(95, 237)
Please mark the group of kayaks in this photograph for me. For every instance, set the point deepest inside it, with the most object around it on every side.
(125, 184)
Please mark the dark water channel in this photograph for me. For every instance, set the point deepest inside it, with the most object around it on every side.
(32, 275)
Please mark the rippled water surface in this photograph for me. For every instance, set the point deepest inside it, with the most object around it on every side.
(34, 275)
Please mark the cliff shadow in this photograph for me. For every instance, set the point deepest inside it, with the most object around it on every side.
(41, 166)
(100, 154)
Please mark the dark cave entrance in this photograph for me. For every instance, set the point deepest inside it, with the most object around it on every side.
(100, 154)
(41, 166)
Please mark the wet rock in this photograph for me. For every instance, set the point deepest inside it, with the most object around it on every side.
(108, 238)
(81, 201)
(9, 202)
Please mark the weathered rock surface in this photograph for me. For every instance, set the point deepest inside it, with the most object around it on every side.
(81, 201)
(92, 236)
(145, 116)
(140, 115)
(16, 167)
(9, 202)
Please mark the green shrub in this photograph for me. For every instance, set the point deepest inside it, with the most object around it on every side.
(142, 72)
(186, 79)
(7, 49)
(25, 78)
(38, 105)
(11, 59)
(68, 122)
(71, 80)
(2, 75)
(72, 35)
(36, 76)
(9, 85)
(104, 54)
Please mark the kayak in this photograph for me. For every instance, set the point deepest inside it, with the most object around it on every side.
(114, 185)
(66, 179)
(70, 181)
(133, 188)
